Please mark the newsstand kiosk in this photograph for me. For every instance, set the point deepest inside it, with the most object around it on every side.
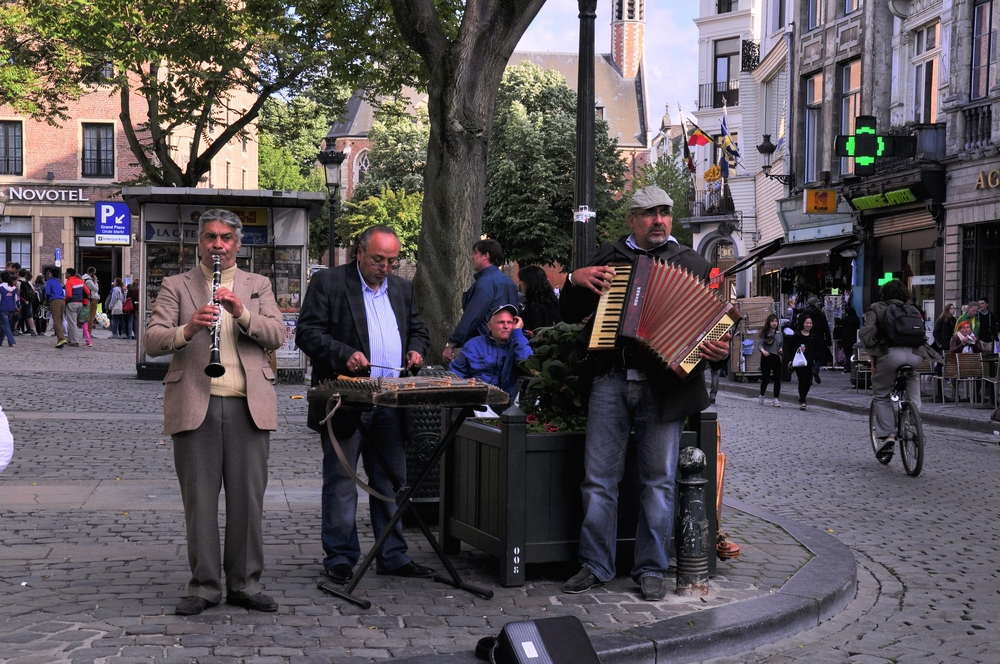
(275, 244)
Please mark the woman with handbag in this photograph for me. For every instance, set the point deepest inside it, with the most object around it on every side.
(115, 303)
(805, 346)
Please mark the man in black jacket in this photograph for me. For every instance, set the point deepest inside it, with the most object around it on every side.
(354, 317)
(987, 323)
(626, 395)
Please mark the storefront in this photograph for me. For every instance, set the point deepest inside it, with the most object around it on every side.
(275, 243)
(972, 233)
(39, 222)
(903, 219)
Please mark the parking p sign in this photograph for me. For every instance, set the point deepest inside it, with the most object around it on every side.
(112, 223)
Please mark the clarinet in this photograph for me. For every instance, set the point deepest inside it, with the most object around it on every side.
(215, 367)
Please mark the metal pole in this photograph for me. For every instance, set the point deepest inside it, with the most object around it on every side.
(584, 225)
(334, 208)
(692, 538)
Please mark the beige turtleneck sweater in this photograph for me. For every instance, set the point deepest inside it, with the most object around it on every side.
(233, 383)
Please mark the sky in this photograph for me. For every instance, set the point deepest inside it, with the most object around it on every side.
(671, 60)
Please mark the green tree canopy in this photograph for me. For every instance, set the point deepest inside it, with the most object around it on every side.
(532, 164)
(298, 126)
(398, 152)
(398, 210)
(213, 63)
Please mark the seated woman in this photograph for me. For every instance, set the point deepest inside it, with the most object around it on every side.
(964, 341)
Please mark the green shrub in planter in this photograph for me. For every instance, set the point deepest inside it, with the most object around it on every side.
(551, 399)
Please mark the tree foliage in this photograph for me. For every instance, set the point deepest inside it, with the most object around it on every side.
(211, 64)
(398, 210)
(398, 152)
(298, 126)
(532, 164)
(38, 72)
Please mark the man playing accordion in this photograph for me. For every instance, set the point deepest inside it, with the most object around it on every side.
(628, 394)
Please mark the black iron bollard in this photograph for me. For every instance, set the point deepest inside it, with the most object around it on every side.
(692, 530)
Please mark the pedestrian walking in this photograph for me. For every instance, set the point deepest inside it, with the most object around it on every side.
(769, 342)
(9, 306)
(808, 344)
(849, 326)
(29, 302)
(55, 296)
(91, 280)
(131, 308)
(116, 303)
(77, 297)
(42, 310)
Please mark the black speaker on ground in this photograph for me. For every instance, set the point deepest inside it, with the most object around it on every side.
(561, 640)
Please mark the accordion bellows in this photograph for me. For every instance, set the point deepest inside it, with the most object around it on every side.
(664, 310)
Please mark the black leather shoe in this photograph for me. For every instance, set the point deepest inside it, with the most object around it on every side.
(258, 602)
(340, 573)
(652, 588)
(582, 581)
(192, 606)
(410, 569)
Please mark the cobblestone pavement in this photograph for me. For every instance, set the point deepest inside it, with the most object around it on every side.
(927, 560)
(94, 560)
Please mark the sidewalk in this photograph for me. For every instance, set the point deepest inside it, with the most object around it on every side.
(94, 559)
(836, 392)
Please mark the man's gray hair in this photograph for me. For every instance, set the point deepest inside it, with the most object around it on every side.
(225, 216)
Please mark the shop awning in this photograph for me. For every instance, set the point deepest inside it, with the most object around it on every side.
(754, 257)
(800, 254)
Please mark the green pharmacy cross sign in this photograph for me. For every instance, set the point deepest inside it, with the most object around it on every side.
(865, 145)
(884, 280)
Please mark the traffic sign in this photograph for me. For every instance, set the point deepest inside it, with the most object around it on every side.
(112, 223)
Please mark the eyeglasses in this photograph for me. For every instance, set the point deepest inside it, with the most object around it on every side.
(389, 264)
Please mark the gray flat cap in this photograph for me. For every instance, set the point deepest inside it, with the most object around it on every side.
(649, 197)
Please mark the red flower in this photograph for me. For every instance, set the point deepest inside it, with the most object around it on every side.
(531, 419)
(551, 427)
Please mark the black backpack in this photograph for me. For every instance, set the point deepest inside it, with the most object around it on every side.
(904, 326)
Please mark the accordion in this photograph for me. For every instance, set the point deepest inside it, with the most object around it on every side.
(663, 310)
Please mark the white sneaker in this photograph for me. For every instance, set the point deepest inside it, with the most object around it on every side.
(776, 403)
(760, 400)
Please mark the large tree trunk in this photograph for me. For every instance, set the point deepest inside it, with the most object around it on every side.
(464, 77)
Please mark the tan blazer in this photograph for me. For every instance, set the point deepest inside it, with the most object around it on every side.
(185, 399)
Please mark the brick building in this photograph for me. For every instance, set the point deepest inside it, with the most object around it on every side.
(52, 176)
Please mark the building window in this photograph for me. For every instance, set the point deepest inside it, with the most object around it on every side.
(984, 55)
(779, 14)
(99, 150)
(926, 51)
(98, 71)
(16, 249)
(11, 150)
(850, 106)
(726, 6)
(815, 13)
(361, 166)
(851, 6)
(774, 104)
(727, 72)
(814, 126)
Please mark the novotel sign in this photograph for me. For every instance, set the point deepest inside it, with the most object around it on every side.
(37, 194)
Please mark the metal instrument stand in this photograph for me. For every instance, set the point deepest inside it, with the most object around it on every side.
(404, 503)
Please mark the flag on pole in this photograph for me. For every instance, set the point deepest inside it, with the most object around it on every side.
(697, 136)
(730, 152)
(688, 158)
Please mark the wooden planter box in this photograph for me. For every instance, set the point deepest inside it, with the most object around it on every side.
(516, 495)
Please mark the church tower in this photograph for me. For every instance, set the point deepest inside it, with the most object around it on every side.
(628, 32)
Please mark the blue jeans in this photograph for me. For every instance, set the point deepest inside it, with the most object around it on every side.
(616, 407)
(5, 317)
(340, 494)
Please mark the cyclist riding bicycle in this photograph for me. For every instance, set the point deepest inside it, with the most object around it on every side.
(895, 335)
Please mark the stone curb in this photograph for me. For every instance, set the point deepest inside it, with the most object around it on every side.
(817, 592)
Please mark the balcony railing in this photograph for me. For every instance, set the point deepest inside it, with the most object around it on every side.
(711, 95)
(978, 126)
(711, 203)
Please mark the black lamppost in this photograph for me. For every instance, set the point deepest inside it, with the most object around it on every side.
(332, 160)
(585, 217)
(766, 149)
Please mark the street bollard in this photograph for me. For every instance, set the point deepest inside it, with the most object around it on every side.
(692, 529)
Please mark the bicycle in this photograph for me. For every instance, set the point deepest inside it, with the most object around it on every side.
(909, 428)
